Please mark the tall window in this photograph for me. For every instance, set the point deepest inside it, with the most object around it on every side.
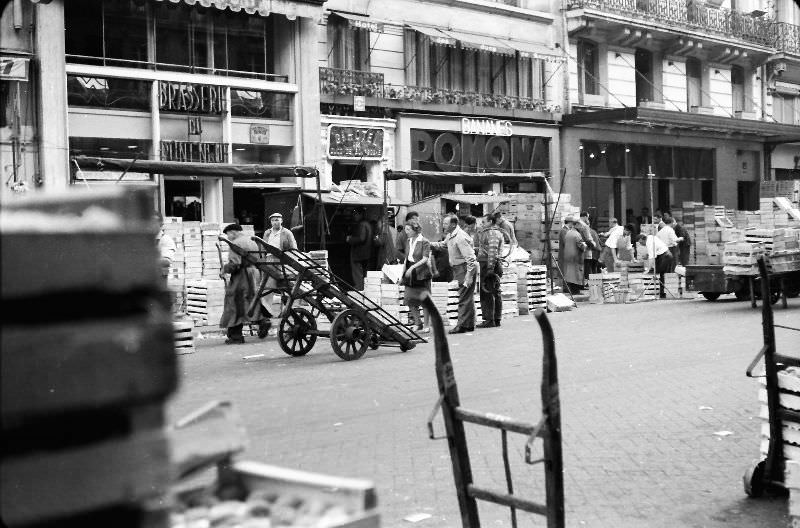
(737, 89)
(182, 36)
(588, 67)
(786, 108)
(349, 46)
(106, 30)
(241, 42)
(644, 75)
(531, 78)
(694, 74)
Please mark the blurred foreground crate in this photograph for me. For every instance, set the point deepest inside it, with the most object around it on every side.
(88, 361)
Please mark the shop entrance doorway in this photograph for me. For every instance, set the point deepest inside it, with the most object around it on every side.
(348, 171)
(184, 199)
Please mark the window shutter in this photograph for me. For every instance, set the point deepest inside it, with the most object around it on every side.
(484, 72)
(410, 56)
(456, 69)
(537, 79)
(524, 69)
(469, 70)
(510, 75)
(423, 61)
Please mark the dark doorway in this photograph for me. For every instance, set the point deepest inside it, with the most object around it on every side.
(694, 74)
(348, 171)
(707, 192)
(662, 195)
(248, 208)
(644, 76)
(747, 195)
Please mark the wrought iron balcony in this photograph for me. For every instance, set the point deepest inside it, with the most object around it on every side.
(689, 15)
(334, 81)
(786, 37)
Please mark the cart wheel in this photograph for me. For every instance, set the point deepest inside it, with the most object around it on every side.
(294, 333)
(710, 296)
(753, 480)
(374, 341)
(350, 335)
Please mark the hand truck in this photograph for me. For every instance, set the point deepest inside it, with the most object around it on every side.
(548, 428)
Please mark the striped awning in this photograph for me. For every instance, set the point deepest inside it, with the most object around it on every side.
(436, 35)
(480, 42)
(360, 21)
(532, 50)
(290, 8)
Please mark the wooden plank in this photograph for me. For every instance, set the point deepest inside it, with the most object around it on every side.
(48, 485)
(86, 364)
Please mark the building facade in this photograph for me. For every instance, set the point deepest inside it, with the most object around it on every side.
(461, 85)
(679, 93)
(216, 83)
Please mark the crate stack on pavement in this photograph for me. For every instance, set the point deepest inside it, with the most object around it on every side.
(440, 295)
(392, 300)
(211, 253)
(84, 383)
(536, 287)
(193, 250)
(602, 287)
(508, 292)
(205, 301)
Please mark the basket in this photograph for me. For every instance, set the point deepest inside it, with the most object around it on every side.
(622, 295)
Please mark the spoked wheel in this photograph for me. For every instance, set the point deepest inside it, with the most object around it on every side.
(295, 332)
(374, 341)
(753, 480)
(350, 335)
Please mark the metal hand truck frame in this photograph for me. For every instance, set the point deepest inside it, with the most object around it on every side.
(548, 429)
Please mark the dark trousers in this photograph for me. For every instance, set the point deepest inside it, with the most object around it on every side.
(359, 268)
(683, 255)
(664, 264)
(466, 299)
(675, 252)
(491, 298)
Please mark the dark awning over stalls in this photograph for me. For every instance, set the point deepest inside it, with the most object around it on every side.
(182, 168)
(464, 177)
(766, 131)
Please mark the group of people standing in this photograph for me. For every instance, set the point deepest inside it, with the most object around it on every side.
(582, 251)
(473, 257)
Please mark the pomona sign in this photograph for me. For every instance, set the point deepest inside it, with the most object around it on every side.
(485, 127)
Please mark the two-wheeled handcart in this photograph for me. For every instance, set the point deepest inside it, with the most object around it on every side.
(357, 322)
(768, 474)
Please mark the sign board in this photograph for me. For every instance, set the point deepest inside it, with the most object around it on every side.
(346, 142)
(194, 98)
(13, 69)
(359, 103)
(194, 151)
(486, 127)
(259, 134)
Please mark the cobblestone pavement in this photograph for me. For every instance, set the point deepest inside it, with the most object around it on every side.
(644, 389)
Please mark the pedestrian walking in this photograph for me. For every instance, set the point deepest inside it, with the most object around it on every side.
(401, 242)
(658, 255)
(488, 250)
(360, 248)
(462, 261)
(417, 274)
(573, 256)
(240, 290)
(608, 256)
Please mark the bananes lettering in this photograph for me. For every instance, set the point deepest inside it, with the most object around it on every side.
(446, 151)
(185, 97)
(486, 127)
(194, 151)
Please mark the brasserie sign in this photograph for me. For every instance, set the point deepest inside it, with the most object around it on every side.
(194, 151)
(187, 97)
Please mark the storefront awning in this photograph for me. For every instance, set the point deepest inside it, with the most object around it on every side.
(480, 42)
(475, 198)
(180, 168)
(773, 133)
(534, 51)
(469, 178)
(436, 36)
(360, 21)
(345, 199)
(290, 8)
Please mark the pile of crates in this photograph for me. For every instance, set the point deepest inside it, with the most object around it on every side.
(536, 287)
(205, 301)
(84, 384)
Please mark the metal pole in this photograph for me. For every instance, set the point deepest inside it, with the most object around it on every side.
(650, 176)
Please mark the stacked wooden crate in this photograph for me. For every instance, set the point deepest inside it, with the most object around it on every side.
(205, 300)
(213, 256)
(536, 287)
(508, 292)
(84, 383)
(193, 250)
(184, 338)
(176, 277)
(440, 294)
(392, 300)
(674, 285)
(602, 287)
(741, 258)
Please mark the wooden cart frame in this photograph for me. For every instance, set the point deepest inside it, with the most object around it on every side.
(357, 322)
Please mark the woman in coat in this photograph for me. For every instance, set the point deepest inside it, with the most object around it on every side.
(573, 252)
(417, 274)
(241, 290)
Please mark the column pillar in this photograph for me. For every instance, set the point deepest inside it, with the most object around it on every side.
(52, 88)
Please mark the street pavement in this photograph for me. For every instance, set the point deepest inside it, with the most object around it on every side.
(644, 388)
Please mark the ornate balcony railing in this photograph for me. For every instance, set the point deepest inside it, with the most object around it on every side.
(334, 81)
(426, 95)
(689, 14)
(786, 37)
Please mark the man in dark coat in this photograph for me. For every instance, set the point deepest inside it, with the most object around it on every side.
(684, 246)
(241, 290)
(360, 248)
(573, 257)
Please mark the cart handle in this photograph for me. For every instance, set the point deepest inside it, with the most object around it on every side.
(755, 362)
(532, 438)
(433, 414)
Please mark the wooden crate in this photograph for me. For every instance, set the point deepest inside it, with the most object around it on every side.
(86, 364)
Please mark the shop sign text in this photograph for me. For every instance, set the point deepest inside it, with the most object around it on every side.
(355, 142)
(486, 127)
(194, 151)
(259, 134)
(447, 151)
(195, 98)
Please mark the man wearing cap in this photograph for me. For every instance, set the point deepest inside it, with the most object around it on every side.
(240, 290)
(278, 237)
(572, 255)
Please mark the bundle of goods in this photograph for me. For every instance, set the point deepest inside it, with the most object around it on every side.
(84, 384)
(789, 398)
(214, 252)
(643, 286)
(559, 303)
(184, 339)
(536, 287)
(205, 301)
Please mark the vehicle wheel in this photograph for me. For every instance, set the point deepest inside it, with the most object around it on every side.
(753, 480)
(350, 335)
(294, 333)
(374, 341)
(711, 296)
